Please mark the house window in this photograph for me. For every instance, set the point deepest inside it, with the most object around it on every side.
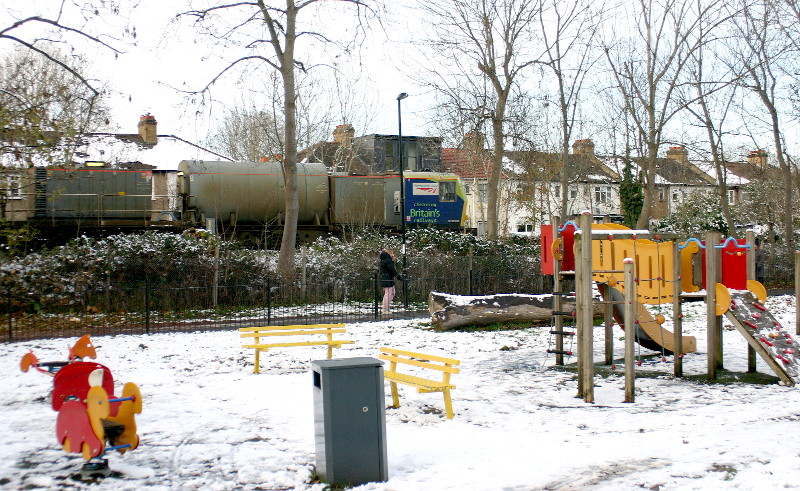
(661, 194)
(557, 190)
(573, 192)
(524, 227)
(677, 196)
(732, 196)
(483, 192)
(467, 188)
(602, 194)
(12, 188)
(447, 191)
(481, 229)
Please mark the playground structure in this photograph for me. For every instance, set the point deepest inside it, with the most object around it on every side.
(635, 268)
(91, 420)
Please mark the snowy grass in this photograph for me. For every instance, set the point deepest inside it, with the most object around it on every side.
(210, 423)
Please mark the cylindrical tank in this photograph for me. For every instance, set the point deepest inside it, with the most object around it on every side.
(251, 192)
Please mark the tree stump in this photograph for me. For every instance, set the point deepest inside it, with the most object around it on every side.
(453, 311)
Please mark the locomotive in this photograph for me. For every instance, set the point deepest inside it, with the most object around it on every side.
(245, 199)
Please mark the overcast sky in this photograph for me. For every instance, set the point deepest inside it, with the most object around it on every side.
(167, 58)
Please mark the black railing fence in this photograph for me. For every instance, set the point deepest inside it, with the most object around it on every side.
(168, 295)
(165, 297)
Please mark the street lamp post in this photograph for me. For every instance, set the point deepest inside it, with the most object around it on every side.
(400, 97)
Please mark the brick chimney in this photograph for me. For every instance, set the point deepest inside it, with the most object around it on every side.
(679, 154)
(147, 129)
(583, 147)
(758, 157)
(343, 135)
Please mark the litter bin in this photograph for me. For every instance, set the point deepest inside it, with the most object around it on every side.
(349, 421)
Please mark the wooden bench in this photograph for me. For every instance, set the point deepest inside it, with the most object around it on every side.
(445, 365)
(309, 331)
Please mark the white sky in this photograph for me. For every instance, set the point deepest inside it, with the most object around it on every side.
(167, 55)
(148, 72)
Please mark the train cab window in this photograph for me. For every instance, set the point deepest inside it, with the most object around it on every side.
(447, 191)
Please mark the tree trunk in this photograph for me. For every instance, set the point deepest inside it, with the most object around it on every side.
(289, 239)
(453, 311)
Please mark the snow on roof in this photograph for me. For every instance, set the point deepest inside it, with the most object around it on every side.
(731, 178)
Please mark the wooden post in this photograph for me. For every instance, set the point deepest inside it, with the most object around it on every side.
(751, 275)
(712, 336)
(558, 324)
(630, 331)
(677, 311)
(579, 239)
(583, 302)
(608, 318)
(608, 324)
(796, 291)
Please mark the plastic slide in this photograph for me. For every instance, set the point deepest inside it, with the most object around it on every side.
(649, 333)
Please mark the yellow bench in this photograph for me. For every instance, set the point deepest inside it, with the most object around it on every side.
(312, 330)
(445, 365)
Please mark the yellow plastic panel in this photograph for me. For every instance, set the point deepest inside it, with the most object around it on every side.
(686, 267)
(723, 299)
(758, 290)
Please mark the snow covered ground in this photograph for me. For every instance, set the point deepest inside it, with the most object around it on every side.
(210, 423)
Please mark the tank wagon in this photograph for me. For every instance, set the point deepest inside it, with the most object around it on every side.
(243, 198)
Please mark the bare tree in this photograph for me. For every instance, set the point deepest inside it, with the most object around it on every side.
(28, 108)
(253, 128)
(763, 53)
(482, 43)
(649, 67)
(42, 107)
(267, 35)
(568, 30)
(710, 98)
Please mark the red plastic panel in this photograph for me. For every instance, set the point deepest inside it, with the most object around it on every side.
(73, 380)
(546, 233)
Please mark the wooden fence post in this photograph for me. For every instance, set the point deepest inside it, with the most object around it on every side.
(751, 275)
(630, 332)
(712, 332)
(583, 302)
(677, 311)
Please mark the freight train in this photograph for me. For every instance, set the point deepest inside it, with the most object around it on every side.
(245, 199)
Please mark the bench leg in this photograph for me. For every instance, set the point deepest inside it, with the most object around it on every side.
(258, 352)
(330, 351)
(448, 404)
(395, 396)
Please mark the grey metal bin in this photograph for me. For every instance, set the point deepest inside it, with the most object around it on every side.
(350, 420)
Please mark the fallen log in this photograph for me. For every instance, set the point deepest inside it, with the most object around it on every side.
(453, 311)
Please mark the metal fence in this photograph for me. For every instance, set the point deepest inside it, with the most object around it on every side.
(171, 300)
(164, 296)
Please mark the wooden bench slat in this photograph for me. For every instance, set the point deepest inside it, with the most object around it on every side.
(291, 333)
(298, 326)
(422, 364)
(324, 330)
(433, 385)
(335, 343)
(421, 356)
